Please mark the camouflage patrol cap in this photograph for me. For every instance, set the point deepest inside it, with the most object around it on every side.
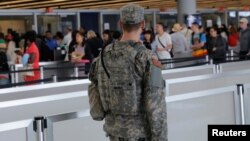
(132, 14)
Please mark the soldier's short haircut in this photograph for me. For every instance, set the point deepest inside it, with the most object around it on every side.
(130, 27)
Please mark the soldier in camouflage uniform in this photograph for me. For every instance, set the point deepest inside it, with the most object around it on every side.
(127, 89)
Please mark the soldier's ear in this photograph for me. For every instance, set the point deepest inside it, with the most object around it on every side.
(143, 24)
(120, 24)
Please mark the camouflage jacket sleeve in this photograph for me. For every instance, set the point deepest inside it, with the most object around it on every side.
(96, 109)
(154, 96)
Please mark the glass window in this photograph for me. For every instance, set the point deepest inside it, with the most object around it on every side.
(48, 23)
(217, 18)
(19, 24)
(232, 18)
(167, 19)
(149, 21)
(68, 21)
(111, 21)
(232, 14)
(244, 14)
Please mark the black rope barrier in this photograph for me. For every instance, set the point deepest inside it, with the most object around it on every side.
(60, 79)
(228, 58)
(45, 68)
(62, 68)
(184, 58)
(181, 60)
(192, 65)
(71, 78)
(20, 71)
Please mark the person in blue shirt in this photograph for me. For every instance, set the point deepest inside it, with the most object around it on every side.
(198, 39)
(50, 46)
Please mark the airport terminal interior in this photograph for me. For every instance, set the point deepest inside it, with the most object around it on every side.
(47, 49)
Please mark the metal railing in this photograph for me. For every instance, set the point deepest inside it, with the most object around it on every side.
(14, 82)
(230, 56)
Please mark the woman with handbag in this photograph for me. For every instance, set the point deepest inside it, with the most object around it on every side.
(164, 44)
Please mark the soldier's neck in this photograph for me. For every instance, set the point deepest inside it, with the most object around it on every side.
(132, 36)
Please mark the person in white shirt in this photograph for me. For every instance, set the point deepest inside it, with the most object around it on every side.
(11, 48)
(188, 35)
(163, 41)
(67, 39)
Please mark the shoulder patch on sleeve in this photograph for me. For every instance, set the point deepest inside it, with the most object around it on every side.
(156, 76)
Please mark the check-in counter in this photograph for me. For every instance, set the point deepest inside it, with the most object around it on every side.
(188, 71)
(67, 112)
(68, 118)
(204, 82)
(234, 66)
(190, 114)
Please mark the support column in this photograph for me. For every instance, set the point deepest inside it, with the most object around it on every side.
(154, 20)
(35, 25)
(101, 22)
(185, 7)
(78, 19)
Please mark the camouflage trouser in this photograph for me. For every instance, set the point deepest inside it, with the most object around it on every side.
(124, 139)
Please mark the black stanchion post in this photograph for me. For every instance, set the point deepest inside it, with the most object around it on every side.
(207, 59)
(211, 61)
(54, 78)
(42, 73)
(171, 64)
(220, 68)
(232, 55)
(227, 56)
(16, 74)
(12, 68)
(39, 124)
(217, 67)
(76, 72)
(240, 91)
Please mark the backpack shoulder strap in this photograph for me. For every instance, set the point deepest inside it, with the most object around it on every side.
(102, 61)
(200, 35)
(160, 42)
(192, 38)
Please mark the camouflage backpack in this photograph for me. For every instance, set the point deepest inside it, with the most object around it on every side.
(119, 86)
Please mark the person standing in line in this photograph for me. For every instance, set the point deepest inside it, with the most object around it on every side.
(217, 46)
(180, 45)
(68, 37)
(164, 42)
(129, 92)
(94, 43)
(107, 38)
(149, 40)
(233, 38)
(188, 35)
(33, 61)
(244, 39)
(201, 37)
(11, 48)
(67, 41)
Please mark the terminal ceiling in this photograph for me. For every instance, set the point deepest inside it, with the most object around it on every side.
(114, 4)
